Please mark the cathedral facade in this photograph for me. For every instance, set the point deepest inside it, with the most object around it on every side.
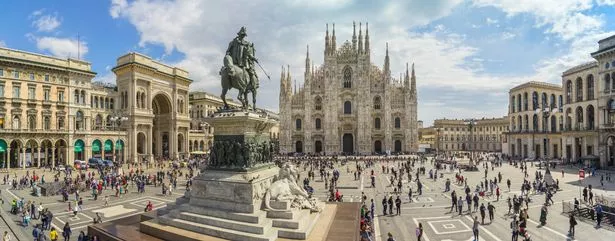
(348, 104)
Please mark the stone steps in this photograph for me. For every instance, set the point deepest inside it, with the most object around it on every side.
(268, 235)
(242, 217)
(255, 228)
(300, 217)
(304, 229)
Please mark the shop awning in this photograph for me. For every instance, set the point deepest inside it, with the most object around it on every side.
(96, 146)
(79, 146)
(3, 146)
(108, 145)
(119, 145)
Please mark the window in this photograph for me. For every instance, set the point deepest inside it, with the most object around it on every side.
(377, 123)
(568, 92)
(397, 123)
(46, 78)
(31, 93)
(16, 74)
(31, 76)
(377, 103)
(1, 90)
(318, 103)
(347, 77)
(607, 82)
(317, 124)
(347, 107)
(512, 104)
(534, 100)
(1, 72)
(76, 96)
(60, 123)
(298, 124)
(579, 86)
(16, 122)
(590, 87)
(32, 122)
(46, 123)
(560, 100)
(16, 91)
(46, 94)
(79, 120)
(525, 102)
(61, 96)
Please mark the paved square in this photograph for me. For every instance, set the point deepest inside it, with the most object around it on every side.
(143, 203)
(114, 211)
(68, 217)
(448, 226)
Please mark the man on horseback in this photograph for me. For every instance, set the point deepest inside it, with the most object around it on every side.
(242, 54)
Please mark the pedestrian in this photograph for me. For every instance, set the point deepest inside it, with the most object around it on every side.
(66, 232)
(419, 232)
(384, 205)
(398, 205)
(36, 232)
(509, 205)
(475, 228)
(82, 236)
(573, 222)
(598, 215)
(491, 210)
(460, 205)
(482, 213)
(390, 237)
(53, 234)
(390, 205)
(6, 236)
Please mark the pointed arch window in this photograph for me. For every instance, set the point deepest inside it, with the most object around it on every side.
(317, 124)
(347, 107)
(377, 103)
(347, 80)
(397, 123)
(298, 124)
(318, 103)
(377, 123)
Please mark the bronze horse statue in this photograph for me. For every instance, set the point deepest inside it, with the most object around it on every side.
(234, 77)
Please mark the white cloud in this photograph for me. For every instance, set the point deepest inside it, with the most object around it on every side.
(491, 21)
(508, 35)
(606, 2)
(62, 47)
(565, 18)
(45, 23)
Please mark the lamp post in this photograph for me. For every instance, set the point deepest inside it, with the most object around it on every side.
(117, 120)
(546, 113)
(471, 124)
(438, 141)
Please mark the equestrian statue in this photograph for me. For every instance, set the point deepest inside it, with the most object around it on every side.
(238, 71)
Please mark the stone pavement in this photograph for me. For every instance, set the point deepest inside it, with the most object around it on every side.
(432, 209)
(119, 207)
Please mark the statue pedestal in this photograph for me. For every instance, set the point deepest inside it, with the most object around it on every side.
(241, 140)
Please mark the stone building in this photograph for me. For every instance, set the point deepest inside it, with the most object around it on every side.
(485, 134)
(605, 111)
(580, 137)
(348, 104)
(51, 113)
(202, 105)
(536, 120)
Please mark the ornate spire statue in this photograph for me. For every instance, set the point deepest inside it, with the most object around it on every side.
(360, 40)
(333, 41)
(367, 38)
(327, 42)
(387, 64)
(354, 36)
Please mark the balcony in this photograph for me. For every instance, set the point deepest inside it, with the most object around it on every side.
(47, 103)
(61, 103)
(17, 101)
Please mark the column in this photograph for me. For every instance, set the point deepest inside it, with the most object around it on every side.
(8, 159)
(46, 156)
(69, 154)
(172, 142)
(53, 157)
(148, 145)
(133, 148)
(38, 160)
(23, 158)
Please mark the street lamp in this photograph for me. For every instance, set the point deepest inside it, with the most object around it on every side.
(438, 130)
(546, 113)
(471, 124)
(117, 120)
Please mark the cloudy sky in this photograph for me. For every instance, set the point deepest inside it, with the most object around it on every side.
(467, 53)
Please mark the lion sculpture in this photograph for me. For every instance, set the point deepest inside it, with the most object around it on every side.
(285, 188)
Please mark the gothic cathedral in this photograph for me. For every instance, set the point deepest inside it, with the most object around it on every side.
(348, 105)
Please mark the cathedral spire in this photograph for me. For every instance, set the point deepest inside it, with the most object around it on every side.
(413, 82)
(327, 41)
(387, 64)
(367, 38)
(307, 61)
(333, 41)
(354, 35)
(289, 88)
(360, 40)
(407, 78)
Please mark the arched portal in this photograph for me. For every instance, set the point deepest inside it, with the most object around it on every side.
(141, 143)
(348, 144)
(162, 108)
(318, 146)
(31, 153)
(59, 155)
(108, 150)
(119, 151)
(3, 152)
(46, 152)
(610, 152)
(79, 149)
(378, 146)
(397, 146)
(299, 147)
(96, 149)
(15, 157)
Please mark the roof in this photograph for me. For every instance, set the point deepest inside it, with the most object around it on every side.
(537, 84)
(581, 67)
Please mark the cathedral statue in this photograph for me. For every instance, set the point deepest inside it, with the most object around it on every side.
(239, 71)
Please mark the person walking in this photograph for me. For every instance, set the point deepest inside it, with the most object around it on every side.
(598, 215)
(390, 237)
(482, 213)
(53, 234)
(573, 222)
(384, 205)
(390, 203)
(66, 232)
(398, 205)
(491, 210)
(419, 232)
(454, 201)
(475, 228)
(460, 205)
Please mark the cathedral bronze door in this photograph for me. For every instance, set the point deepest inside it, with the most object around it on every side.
(378, 147)
(299, 147)
(318, 147)
(348, 144)
(398, 146)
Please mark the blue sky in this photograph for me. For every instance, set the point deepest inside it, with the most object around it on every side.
(468, 53)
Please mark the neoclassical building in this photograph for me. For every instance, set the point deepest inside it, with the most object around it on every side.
(484, 134)
(605, 111)
(348, 104)
(536, 120)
